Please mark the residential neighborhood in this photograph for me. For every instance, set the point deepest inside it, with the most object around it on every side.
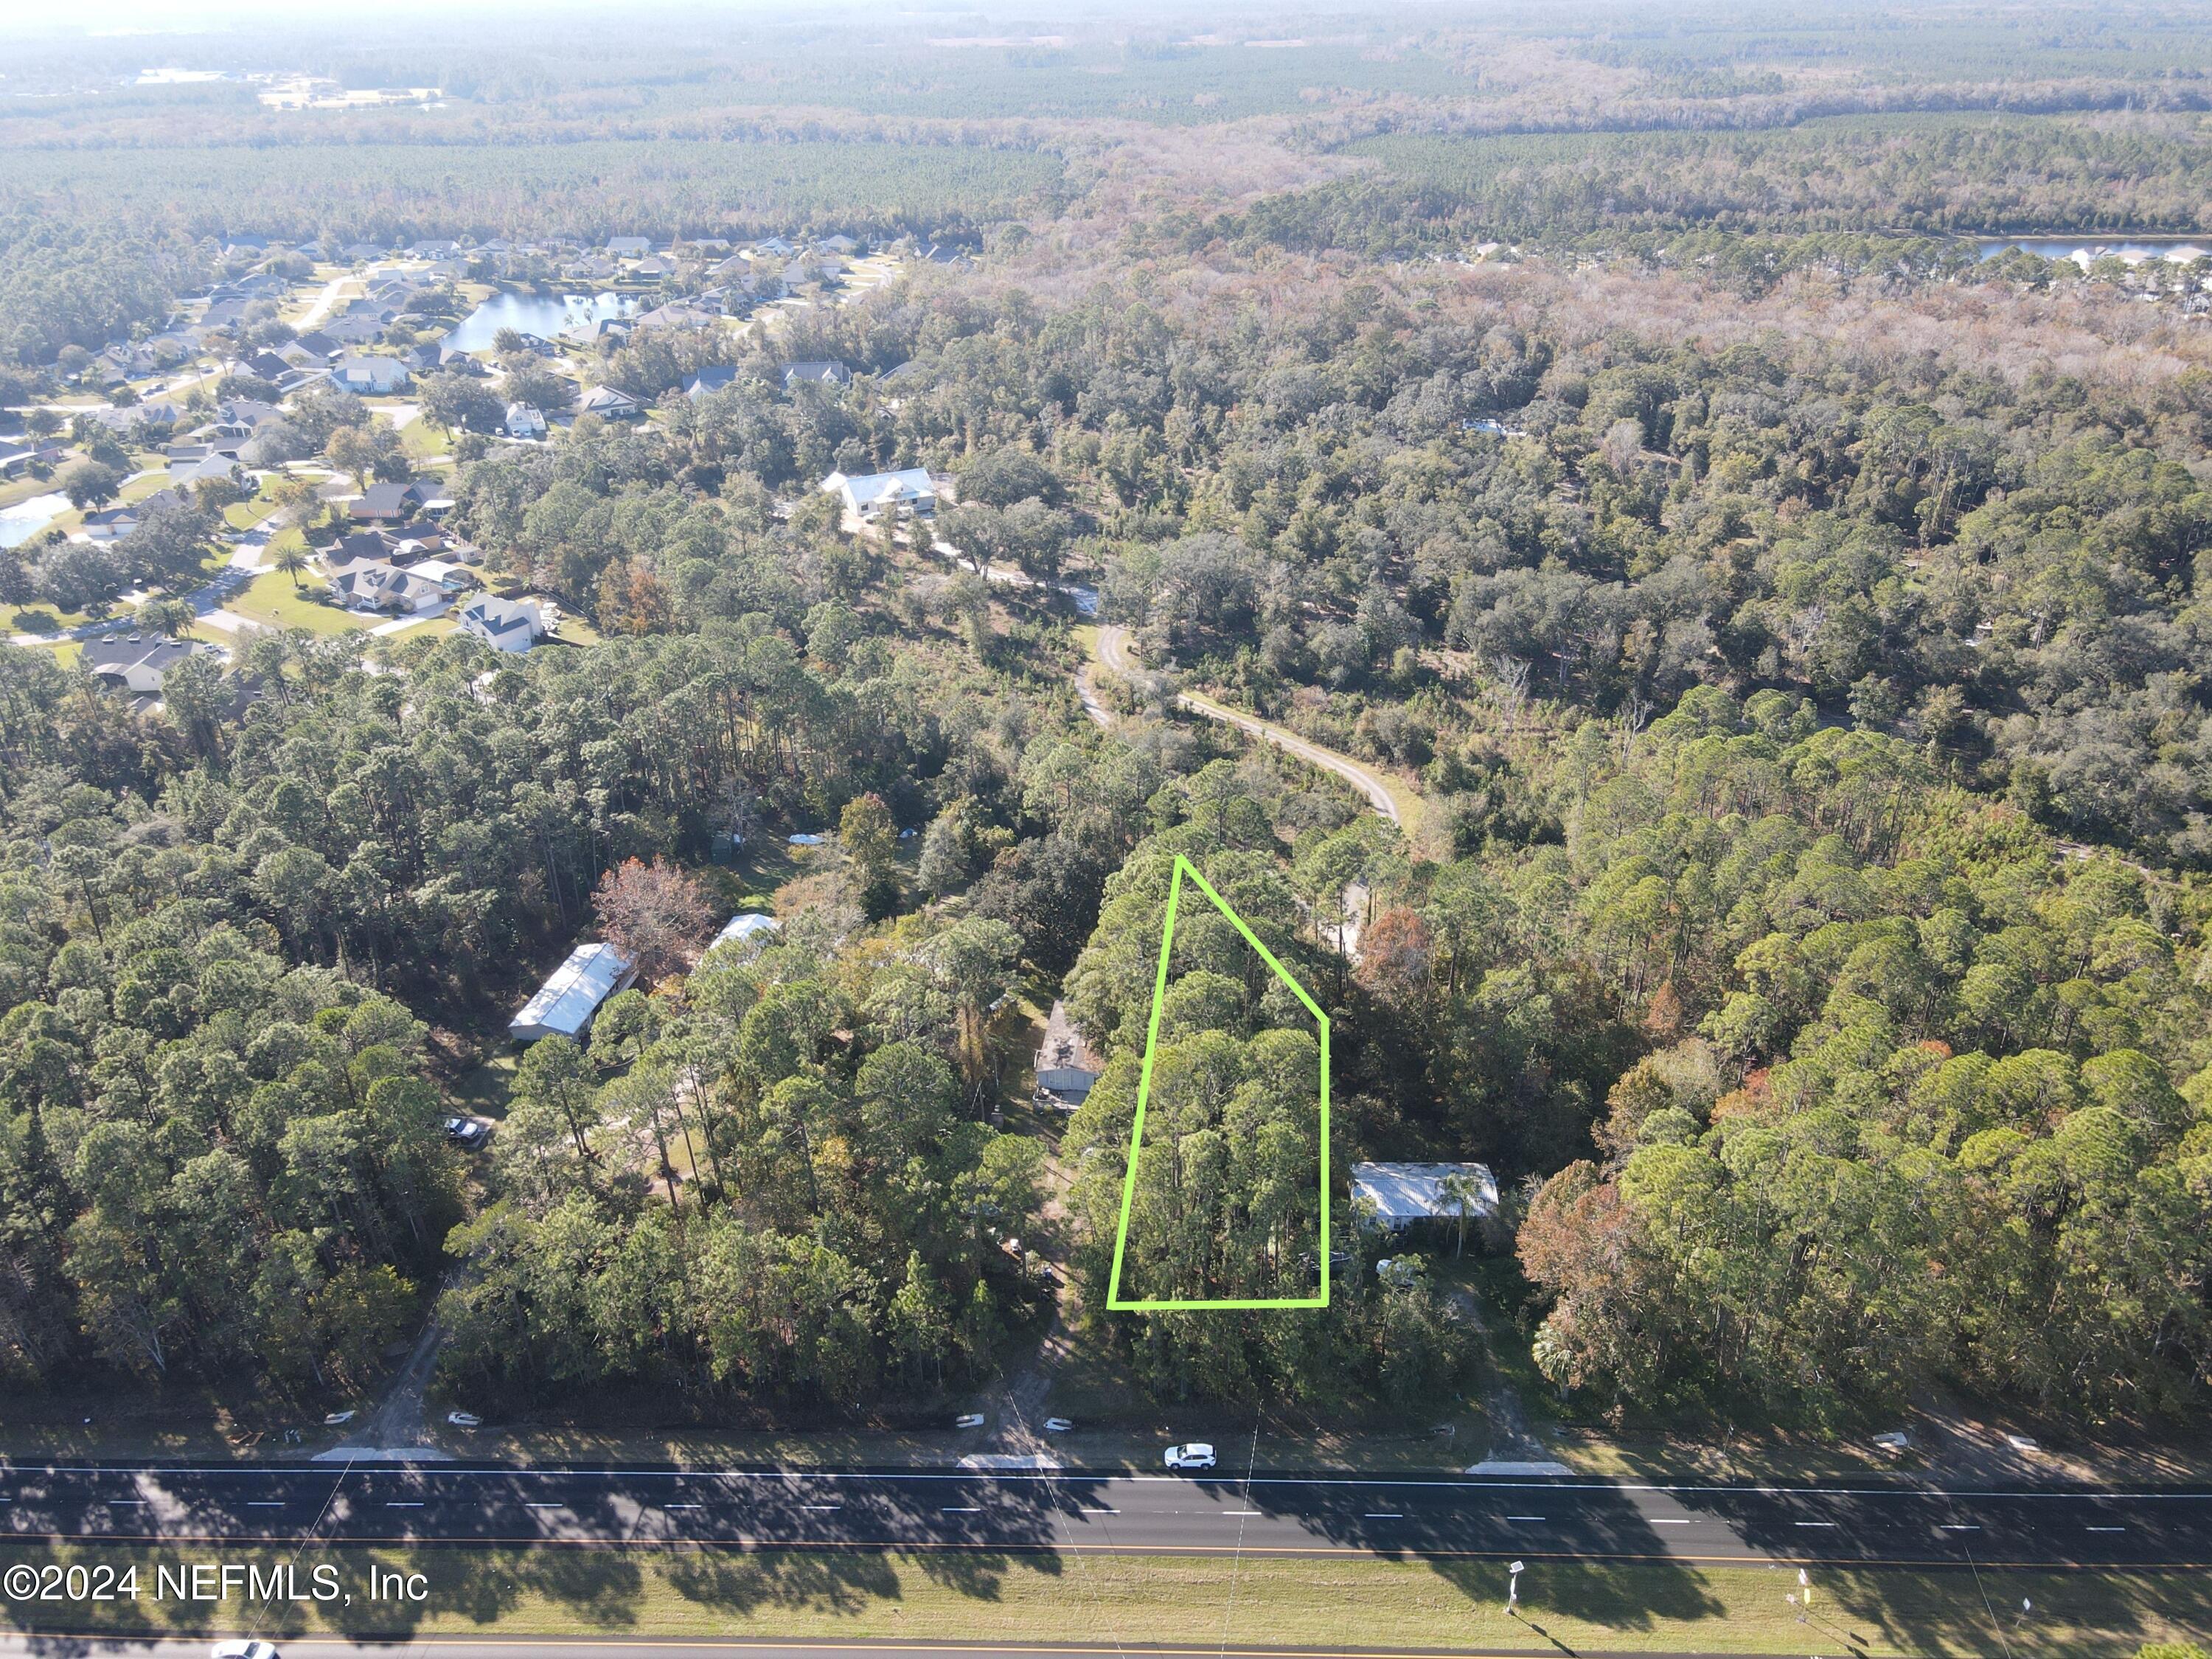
(216, 410)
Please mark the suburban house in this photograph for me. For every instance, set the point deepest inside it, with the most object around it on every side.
(110, 524)
(871, 493)
(572, 993)
(389, 503)
(1066, 1068)
(387, 587)
(136, 662)
(716, 378)
(12, 461)
(523, 421)
(678, 314)
(1402, 1194)
(776, 247)
(371, 376)
(831, 373)
(630, 247)
(503, 624)
(608, 404)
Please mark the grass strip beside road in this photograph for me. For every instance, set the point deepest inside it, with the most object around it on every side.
(1094, 1597)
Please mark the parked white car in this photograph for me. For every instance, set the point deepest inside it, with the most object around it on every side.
(1057, 1425)
(969, 1421)
(244, 1650)
(464, 1420)
(1196, 1455)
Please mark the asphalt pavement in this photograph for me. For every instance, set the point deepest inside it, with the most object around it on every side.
(1865, 1522)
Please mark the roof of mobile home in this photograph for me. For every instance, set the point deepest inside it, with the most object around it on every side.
(1403, 1193)
(572, 993)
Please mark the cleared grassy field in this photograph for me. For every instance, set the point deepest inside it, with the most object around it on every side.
(1099, 1598)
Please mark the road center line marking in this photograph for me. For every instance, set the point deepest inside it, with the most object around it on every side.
(822, 1506)
(1524, 1518)
(971, 1509)
(1091, 1511)
(1384, 1515)
(1233, 1513)
(1959, 1526)
(1829, 1524)
(1663, 1521)
(2107, 1529)
(407, 1504)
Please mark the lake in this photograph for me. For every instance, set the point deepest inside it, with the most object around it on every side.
(19, 523)
(2065, 248)
(545, 316)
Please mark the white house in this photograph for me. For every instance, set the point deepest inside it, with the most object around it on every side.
(523, 421)
(870, 493)
(564, 1005)
(1403, 1193)
(503, 624)
(609, 404)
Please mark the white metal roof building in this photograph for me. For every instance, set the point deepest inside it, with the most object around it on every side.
(572, 993)
(869, 493)
(1403, 1193)
(749, 925)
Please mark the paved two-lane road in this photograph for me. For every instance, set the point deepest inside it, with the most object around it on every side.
(1869, 1522)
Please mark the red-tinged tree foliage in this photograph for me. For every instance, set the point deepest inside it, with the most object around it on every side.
(1583, 1243)
(654, 913)
(1396, 954)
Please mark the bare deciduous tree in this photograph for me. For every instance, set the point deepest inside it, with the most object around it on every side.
(655, 914)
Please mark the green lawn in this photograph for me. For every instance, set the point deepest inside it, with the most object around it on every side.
(17, 622)
(1093, 1597)
(272, 600)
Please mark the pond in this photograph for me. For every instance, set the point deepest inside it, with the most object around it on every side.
(547, 316)
(19, 523)
(2065, 248)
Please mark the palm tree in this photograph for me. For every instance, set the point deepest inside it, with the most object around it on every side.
(1462, 1192)
(291, 560)
(168, 617)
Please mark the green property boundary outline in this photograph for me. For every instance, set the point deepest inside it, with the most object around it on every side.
(1114, 1301)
